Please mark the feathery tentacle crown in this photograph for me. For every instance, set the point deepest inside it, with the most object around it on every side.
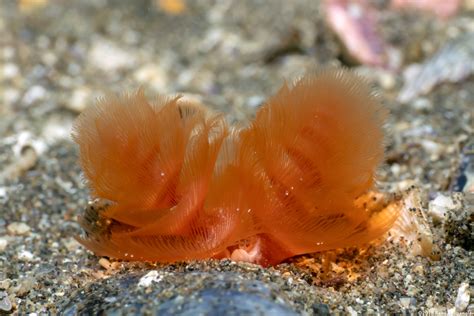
(181, 184)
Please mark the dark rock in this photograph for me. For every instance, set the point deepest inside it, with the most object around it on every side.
(195, 293)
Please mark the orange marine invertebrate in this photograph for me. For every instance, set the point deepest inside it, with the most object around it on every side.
(181, 184)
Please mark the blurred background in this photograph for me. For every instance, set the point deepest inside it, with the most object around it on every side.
(57, 57)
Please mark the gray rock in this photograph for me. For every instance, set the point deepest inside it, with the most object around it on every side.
(5, 304)
(193, 293)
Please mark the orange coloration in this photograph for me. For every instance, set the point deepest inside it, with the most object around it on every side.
(174, 7)
(183, 185)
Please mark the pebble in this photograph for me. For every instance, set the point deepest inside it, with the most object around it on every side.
(387, 80)
(8, 52)
(33, 94)
(25, 285)
(463, 297)
(49, 59)
(109, 57)
(10, 71)
(18, 228)
(55, 130)
(406, 302)
(412, 290)
(104, 263)
(422, 104)
(321, 309)
(255, 101)
(10, 96)
(5, 304)
(439, 207)
(5, 284)
(452, 63)
(351, 311)
(26, 256)
(395, 169)
(149, 278)
(3, 244)
(419, 269)
(24, 140)
(79, 100)
(434, 149)
(71, 244)
(152, 75)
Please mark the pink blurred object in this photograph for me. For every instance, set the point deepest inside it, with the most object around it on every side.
(355, 24)
(442, 8)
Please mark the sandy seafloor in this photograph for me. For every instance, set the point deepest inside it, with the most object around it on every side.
(58, 58)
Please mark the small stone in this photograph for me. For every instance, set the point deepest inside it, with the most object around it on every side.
(3, 244)
(405, 184)
(8, 52)
(405, 302)
(336, 268)
(439, 207)
(35, 93)
(451, 312)
(255, 101)
(5, 284)
(55, 130)
(412, 290)
(49, 58)
(395, 169)
(321, 309)
(419, 269)
(149, 278)
(25, 285)
(351, 311)
(26, 256)
(387, 80)
(108, 56)
(434, 149)
(73, 69)
(462, 300)
(79, 100)
(71, 244)
(104, 263)
(111, 299)
(5, 304)
(452, 63)
(10, 96)
(115, 265)
(10, 70)
(18, 228)
(422, 104)
(152, 75)
(25, 140)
